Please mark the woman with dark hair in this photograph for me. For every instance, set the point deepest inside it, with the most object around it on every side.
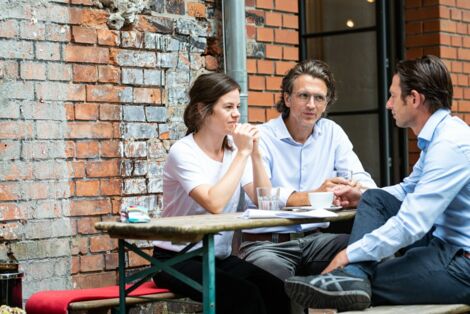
(202, 175)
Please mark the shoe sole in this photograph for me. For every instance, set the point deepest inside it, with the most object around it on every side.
(312, 297)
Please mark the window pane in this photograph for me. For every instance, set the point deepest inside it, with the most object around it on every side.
(353, 60)
(362, 131)
(336, 15)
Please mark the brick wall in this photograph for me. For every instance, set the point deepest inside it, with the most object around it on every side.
(272, 49)
(87, 115)
(441, 28)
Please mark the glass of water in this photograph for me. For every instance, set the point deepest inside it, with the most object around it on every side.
(268, 198)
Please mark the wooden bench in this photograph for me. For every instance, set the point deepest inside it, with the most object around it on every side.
(404, 309)
(102, 306)
(93, 300)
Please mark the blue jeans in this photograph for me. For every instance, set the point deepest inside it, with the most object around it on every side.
(429, 271)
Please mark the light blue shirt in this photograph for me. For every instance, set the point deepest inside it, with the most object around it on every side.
(437, 193)
(293, 166)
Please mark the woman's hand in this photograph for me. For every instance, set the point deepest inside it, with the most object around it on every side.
(243, 137)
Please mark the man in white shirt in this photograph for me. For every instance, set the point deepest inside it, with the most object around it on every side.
(301, 151)
(427, 215)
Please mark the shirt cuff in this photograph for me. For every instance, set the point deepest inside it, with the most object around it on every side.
(355, 252)
(284, 196)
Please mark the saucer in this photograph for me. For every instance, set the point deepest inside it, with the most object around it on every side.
(334, 208)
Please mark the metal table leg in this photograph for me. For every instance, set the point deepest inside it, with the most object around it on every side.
(122, 277)
(208, 271)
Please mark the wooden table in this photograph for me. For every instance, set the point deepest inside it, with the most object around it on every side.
(188, 229)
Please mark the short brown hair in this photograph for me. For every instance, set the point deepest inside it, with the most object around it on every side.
(428, 76)
(316, 69)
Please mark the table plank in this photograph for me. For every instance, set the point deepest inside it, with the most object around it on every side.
(193, 228)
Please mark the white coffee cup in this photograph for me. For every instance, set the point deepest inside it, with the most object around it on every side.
(321, 199)
(268, 198)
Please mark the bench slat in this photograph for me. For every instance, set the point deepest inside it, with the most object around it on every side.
(422, 309)
(109, 303)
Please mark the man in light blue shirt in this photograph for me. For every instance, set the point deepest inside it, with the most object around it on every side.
(301, 151)
(427, 215)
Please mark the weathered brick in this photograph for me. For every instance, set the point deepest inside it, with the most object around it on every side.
(15, 130)
(108, 37)
(94, 280)
(50, 129)
(140, 130)
(87, 149)
(10, 149)
(85, 35)
(156, 150)
(86, 54)
(86, 111)
(132, 76)
(12, 231)
(86, 225)
(132, 39)
(9, 69)
(108, 74)
(11, 49)
(197, 10)
(47, 51)
(102, 244)
(30, 70)
(155, 186)
(59, 72)
(167, 60)
(88, 17)
(175, 7)
(29, 30)
(133, 113)
(17, 89)
(90, 207)
(90, 130)
(135, 186)
(11, 211)
(133, 58)
(111, 186)
(147, 95)
(57, 32)
(84, 73)
(46, 209)
(10, 109)
(89, 263)
(104, 93)
(135, 149)
(107, 168)
(15, 170)
(87, 188)
(41, 229)
(45, 110)
(49, 169)
(111, 261)
(60, 91)
(47, 248)
(110, 112)
(154, 77)
(156, 114)
(8, 28)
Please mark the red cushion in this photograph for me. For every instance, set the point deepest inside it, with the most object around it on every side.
(57, 301)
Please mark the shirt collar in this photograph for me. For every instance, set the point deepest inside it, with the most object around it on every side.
(426, 134)
(282, 133)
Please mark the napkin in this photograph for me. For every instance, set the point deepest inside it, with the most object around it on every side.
(260, 214)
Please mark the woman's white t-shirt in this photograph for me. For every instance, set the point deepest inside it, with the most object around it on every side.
(187, 167)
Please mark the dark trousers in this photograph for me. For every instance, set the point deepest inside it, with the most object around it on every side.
(429, 271)
(241, 287)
